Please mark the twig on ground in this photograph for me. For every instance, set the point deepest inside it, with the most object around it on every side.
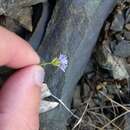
(115, 119)
(114, 101)
(81, 118)
(102, 115)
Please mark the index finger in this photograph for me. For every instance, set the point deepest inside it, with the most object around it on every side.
(15, 52)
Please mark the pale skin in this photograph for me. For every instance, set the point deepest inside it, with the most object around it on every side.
(20, 95)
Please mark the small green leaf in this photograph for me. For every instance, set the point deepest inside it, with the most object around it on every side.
(55, 62)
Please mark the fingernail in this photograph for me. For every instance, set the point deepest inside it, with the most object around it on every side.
(39, 76)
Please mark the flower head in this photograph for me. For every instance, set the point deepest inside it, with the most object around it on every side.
(60, 62)
(63, 62)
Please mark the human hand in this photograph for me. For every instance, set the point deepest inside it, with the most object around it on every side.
(20, 95)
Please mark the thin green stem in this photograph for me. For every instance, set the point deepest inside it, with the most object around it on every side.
(45, 64)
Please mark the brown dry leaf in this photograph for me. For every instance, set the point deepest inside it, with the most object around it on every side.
(47, 106)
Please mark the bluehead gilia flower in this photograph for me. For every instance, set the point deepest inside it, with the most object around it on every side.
(60, 62)
(63, 62)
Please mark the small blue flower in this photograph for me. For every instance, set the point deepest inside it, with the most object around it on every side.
(63, 62)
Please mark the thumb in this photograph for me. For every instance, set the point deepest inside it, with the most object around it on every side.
(20, 99)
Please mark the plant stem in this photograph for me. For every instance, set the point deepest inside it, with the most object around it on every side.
(45, 64)
(61, 102)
